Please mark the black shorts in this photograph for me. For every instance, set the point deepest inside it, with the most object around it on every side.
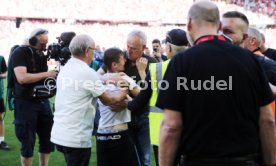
(31, 118)
(2, 106)
(116, 149)
(75, 156)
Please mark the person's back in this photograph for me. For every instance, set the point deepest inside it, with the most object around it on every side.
(217, 103)
(224, 117)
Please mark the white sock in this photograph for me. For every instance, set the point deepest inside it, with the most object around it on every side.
(1, 139)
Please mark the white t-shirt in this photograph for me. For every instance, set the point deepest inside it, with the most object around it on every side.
(109, 118)
(78, 87)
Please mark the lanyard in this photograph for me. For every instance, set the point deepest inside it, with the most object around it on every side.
(209, 38)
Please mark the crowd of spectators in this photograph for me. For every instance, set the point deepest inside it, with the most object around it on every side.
(141, 10)
(109, 35)
(254, 17)
(105, 35)
(125, 10)
(267, 7)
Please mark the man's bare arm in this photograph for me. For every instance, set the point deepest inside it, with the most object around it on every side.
(26, 78)
(141, 65)
(267, 135)
(170, 134)
(113, 97)
(3, 75)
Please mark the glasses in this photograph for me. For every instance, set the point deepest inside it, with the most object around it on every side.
(133, 49)
(91, 48)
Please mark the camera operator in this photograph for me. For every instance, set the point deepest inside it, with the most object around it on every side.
(32, 116)
(157, 54)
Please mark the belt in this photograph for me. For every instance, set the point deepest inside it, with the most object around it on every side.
(222, 159)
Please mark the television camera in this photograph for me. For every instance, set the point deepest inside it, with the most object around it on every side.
(60, 51)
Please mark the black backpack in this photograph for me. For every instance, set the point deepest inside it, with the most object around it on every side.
(10, 81)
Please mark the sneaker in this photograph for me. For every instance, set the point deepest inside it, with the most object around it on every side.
(4, 146)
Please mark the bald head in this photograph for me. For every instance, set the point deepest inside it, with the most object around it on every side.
(203, 19)
(205, 11)
(80, 44)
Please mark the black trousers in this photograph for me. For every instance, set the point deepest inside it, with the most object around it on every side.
(116, 149)
(75, 156)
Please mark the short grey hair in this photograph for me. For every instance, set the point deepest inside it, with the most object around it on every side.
(253, 32)
(79, 44)
(140, 34)
(205, 11)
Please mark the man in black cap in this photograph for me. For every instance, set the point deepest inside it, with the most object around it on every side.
(176, 41)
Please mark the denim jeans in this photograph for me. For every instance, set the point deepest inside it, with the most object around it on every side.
(139, 130)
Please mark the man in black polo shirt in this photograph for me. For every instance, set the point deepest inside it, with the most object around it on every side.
(32, 116)
(269, 52)
(217, 104)
(139, 125)
(253, 43)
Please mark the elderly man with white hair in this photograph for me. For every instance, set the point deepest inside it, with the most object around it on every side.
(78, 87)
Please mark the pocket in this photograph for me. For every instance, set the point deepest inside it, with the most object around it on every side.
(21, 129)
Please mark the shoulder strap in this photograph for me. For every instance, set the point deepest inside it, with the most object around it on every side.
(1, 59)
(33, 58)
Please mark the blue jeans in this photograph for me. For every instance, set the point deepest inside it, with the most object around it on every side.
(139, 130)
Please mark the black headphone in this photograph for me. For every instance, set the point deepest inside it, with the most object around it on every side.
(33, 39)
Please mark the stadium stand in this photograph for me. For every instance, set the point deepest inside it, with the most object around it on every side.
(109, 23)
